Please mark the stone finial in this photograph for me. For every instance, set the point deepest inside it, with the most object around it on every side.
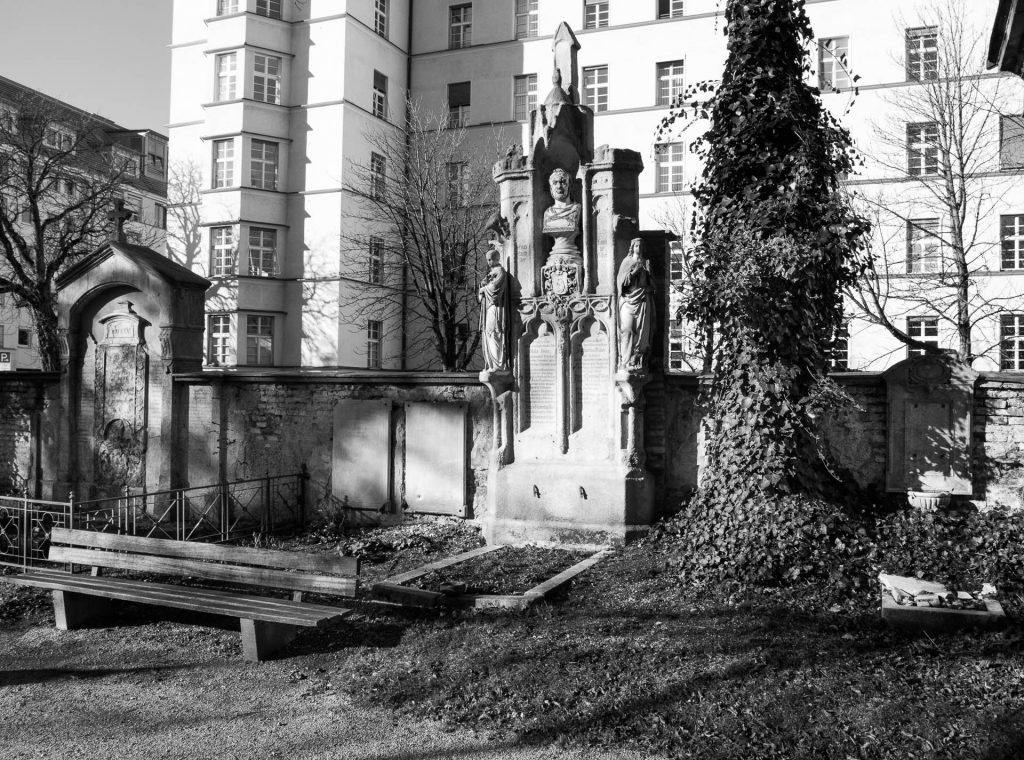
(566, 47)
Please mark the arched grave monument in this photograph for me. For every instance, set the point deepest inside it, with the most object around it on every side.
(568, 464)
(129, 318)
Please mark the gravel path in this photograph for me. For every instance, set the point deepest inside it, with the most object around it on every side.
(157, 688)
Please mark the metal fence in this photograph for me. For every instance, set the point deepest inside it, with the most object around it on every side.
(220, 512)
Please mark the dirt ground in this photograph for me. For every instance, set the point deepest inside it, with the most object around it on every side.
(158, 683)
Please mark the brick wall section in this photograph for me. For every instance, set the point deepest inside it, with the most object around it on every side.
(275, 424)
(998, 439)
(21, 400)
(856, 436)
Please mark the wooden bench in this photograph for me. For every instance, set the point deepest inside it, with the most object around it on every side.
(266, 623)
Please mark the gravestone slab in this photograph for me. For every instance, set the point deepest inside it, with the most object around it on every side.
(930, 404)
(436, 457)
(361, 457)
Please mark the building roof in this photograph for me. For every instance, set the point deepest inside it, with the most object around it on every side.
(147, 258)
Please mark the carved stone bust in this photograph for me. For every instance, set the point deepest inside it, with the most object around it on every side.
(562, 219)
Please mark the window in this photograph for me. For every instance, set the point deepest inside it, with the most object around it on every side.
(834, 63)
(670, 8)
(526, 19)
(227, 67)
(458, 104)
(218, 330)
(373, 339)
(160, 216)
(1011, 238)
(595, 87)
(460, 26)
(262, 252)
(595, 14)
(375, 261)
(380, 95)
(923, 54)
(1011, 342)
(670, 81)
(259, 340)
(125, 161)
(224, 7)
(59, 137)
(8, 118)
(263, 165)
(1011, 142)
(380, 17)
(458, 183)
(223, 163)
(270, 8)
(925, 329)
(923, 149)
(24, 337)
(524, 96)
(378, 176)
(266, 79)
(924, 252)
(222, 251)
(669, 161)
(839, 353)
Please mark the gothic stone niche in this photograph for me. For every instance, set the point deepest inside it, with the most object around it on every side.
(121, 372)
(592, 388)
(543, 378)
(930, 401)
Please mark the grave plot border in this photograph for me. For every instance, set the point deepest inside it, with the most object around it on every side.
(393, 589)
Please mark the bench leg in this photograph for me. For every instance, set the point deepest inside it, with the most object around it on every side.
(260, 639)
(71, 610)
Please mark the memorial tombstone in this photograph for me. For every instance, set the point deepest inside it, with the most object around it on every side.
(568, 462)
(929, 448)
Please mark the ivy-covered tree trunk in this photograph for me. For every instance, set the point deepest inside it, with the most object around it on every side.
(777, 245)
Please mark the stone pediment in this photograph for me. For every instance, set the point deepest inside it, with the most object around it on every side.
(149, 261)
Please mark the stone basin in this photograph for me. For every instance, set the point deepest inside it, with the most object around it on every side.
(939, 619)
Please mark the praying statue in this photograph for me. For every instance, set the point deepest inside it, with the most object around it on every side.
(495, 304)
(635, 288)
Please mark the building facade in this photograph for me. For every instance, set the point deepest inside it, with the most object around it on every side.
(272, 103)
(142, 154)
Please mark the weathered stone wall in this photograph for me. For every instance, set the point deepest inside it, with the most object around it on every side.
(856, 436)
(246, 426)
(23, 396)
(998, 439)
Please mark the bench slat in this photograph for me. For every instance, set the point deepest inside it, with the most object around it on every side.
(322, 584)
(187, 598)
(315, 563)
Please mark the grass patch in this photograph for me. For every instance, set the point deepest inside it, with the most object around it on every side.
(508, 570)
(633, 659)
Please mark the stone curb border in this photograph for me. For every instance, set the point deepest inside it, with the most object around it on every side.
(393, 590)
(939, 619)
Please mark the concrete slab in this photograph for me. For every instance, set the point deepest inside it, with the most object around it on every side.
(361, 456)
(939, 619)
(435, 458)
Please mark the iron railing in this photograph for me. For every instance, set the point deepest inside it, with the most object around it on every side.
(221, 512)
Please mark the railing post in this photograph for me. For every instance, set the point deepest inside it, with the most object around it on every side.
(225, 516)
(268, 519)
(303, 480)
(26, 531)
(122, 523)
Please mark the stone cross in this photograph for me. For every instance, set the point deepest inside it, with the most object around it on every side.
(119, 215)
(565, 47)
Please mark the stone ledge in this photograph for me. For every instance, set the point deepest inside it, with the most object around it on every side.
(939, 619)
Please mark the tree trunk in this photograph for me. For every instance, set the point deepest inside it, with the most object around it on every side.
(48, 335)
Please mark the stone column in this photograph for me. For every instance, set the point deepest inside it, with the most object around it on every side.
(614, 210)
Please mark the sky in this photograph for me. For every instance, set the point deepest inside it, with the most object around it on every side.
(108, 57)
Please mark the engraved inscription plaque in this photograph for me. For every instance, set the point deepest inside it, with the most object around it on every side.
(542, 384)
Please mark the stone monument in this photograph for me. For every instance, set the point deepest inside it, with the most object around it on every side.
(930, 406)
(568, 458)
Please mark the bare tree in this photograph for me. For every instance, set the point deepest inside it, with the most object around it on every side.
(58, 182)
(415, 244)
(935, 235)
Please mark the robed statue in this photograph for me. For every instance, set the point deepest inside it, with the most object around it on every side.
(496, 295)
(635, 288)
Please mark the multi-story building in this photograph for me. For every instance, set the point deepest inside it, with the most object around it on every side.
(142, 154)
(273, 102)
